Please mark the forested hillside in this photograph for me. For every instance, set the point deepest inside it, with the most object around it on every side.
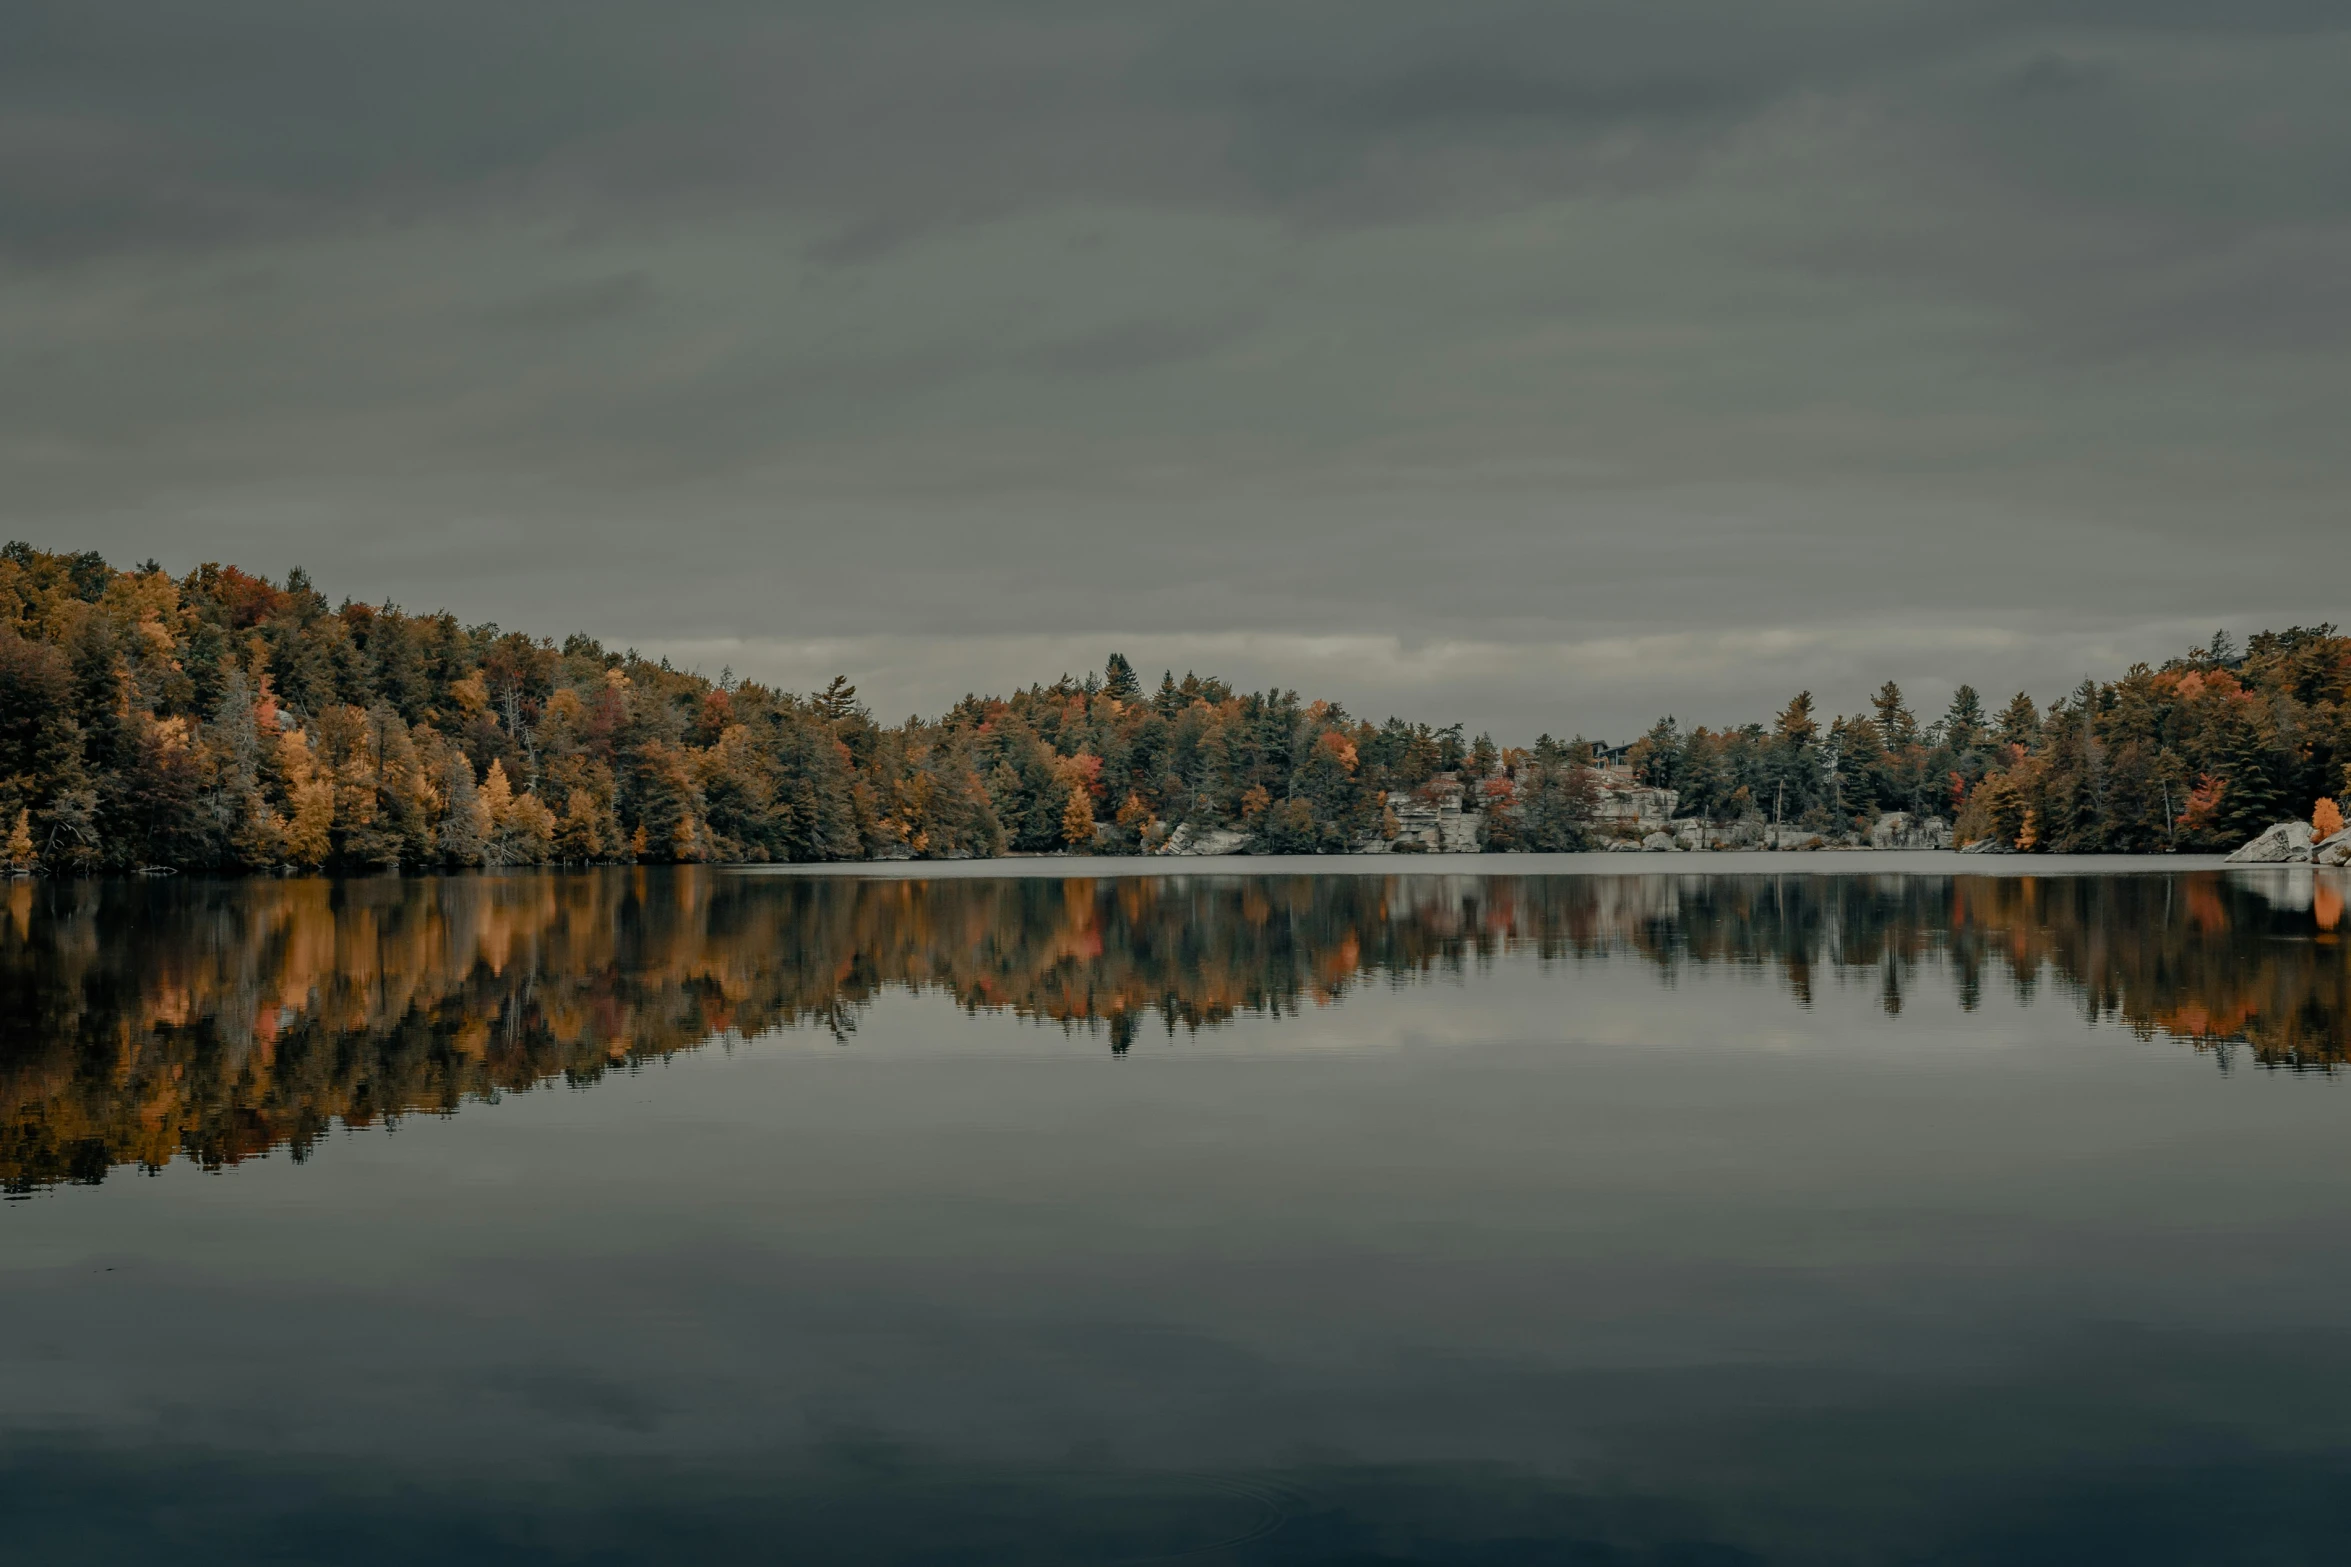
(220, 720)
(2198, 755)
(223, 720)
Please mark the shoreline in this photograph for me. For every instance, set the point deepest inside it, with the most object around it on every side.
(1026, 867)
(1875, 862)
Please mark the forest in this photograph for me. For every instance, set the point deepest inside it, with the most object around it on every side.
(222, 721)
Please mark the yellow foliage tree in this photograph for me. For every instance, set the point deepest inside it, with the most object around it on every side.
(522, 828)
(1077, 818)
(529, 829)
(581, 835)
(2326, 820)
(498, 804)
(497, 793)
(307, 836)
(20, 843)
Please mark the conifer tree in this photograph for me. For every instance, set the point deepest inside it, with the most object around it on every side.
(2252, 801)
(2020, 722)
(1963, 721)
(464, 833)
(1896, 727)
(1794, 775)
(1657, 755)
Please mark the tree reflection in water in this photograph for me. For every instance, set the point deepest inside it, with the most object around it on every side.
(140, 1021)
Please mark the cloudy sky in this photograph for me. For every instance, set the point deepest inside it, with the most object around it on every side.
(1544, 365)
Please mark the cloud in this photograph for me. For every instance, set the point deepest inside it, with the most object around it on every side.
(559, 306)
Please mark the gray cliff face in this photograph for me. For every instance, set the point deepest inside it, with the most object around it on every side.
(2288, 843)
(1188, 840)
(1901, 830)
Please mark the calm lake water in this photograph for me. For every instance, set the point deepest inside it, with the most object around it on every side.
(1892, 1210)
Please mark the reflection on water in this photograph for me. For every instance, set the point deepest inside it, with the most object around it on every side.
(1594, 1218)
(216, 1020)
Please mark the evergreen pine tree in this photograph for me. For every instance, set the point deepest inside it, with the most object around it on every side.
(1896, 726)
(1658, 755)
(1963, 721)
(2252, 801)
(2020, 722)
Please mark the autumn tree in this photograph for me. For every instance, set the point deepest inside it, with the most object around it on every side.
(1077, 818)
(1793, 770)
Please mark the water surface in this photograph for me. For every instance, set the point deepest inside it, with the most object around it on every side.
(1634, 1215)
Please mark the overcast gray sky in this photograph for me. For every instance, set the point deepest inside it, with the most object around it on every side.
(1544, 365)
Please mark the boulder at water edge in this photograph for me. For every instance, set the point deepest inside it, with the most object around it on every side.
(2333, 851)
(2288, 843)
(1657, 842)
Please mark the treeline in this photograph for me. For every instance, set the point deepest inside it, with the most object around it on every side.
(2200, 754)
(256, 1014)
(219, 720)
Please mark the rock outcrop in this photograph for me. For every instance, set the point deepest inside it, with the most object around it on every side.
(1621, 805)
(2288, 843)
(1660, 843)
(1987, 846)
(1901, 830)
(1186, 840)
(1431, 821)
(2333, 851)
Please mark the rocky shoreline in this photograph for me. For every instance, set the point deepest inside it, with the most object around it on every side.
(2295, 843)
(1461, 832)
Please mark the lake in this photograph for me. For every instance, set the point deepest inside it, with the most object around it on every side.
(1586, 1210)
